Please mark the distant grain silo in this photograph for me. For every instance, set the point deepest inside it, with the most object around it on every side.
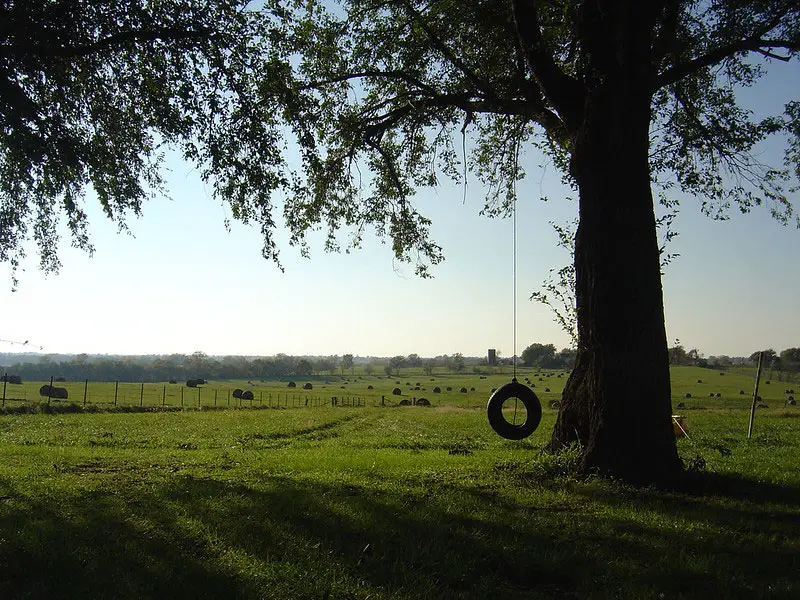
(492, 360)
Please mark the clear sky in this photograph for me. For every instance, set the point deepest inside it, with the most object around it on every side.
(182, 283)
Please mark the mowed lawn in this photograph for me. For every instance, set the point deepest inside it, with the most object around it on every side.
(392, 502)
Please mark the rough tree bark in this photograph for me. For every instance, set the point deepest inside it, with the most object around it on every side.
(617, 401)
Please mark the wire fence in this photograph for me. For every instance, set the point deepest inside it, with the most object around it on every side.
(161, 395)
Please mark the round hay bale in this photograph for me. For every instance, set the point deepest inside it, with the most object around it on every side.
(711, 394)
(718, 395)
(791, 401)
(344, 387)
(767, 382)
(463, 390)
(60, 379)
(291, 384)
(762, 406)
(191, 383)
(546, 389)
(397, 391)
(681, 405)
(416, 388)
(405, 402)
(449, 389)
(247, 395)
(721, 373)
(15, 379)
(741, 391)
(46, 390)
(369, 387)
(482, 377)
(237, 393)
(472, 389)
(437, 390)
(423, 402)
(687, 395)
(699, 381)
(173, 381)
(554, 404)
(308, 386)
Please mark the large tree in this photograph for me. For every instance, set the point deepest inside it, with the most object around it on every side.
(625, 96)
(381, 97)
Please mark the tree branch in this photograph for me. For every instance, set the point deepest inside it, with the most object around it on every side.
(562, 91)
(115, 40)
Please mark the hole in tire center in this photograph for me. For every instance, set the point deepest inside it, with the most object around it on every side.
(508, 411)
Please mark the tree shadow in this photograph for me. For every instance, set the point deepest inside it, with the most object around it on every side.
(285, 537)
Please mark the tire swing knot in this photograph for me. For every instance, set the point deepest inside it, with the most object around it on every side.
(533, 410)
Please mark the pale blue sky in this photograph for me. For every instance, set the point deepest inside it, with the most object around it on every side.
(183, 283)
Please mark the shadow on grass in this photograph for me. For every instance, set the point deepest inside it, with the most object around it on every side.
(179, 536)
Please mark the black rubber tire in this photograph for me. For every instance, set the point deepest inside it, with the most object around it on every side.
(533, 409)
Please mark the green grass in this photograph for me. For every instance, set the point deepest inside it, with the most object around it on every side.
(379, 503)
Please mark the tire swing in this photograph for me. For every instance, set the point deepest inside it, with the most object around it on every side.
(516, 390)
(533, 409)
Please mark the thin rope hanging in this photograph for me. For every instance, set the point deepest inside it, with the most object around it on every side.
(520, 393)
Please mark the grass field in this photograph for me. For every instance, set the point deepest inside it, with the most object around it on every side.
(392, 502)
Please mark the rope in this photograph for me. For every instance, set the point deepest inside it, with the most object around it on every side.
(514, 295)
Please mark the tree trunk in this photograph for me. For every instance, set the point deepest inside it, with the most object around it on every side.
(617, 402)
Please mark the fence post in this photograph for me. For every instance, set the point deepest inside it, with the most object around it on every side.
(49, 390)
(164, 396)
(141, 395)
(5, 381)
(116, 390)
(229, 398)
(85, 390)
(215, 397)
(198, 396)
(181, 396)
(755, 396)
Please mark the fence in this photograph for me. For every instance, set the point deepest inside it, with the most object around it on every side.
(155, 395)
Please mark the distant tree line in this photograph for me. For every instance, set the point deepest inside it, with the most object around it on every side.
(545, 356)
(787, 361)
(181, 367)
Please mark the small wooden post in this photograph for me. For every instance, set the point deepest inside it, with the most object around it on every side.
(85, 390)
(755, 396)
(141, 395)
(49, 390)
(229, 398)
(198, 396)
(5, 381)
(164, 396)
(215, 397)
(181, 396)
(116, 392)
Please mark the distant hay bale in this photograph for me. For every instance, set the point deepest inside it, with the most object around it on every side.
(741, 391)
(472, 389)
(397, 391)
(308, 386)
(767, 382)
(449, 389)
(546, 389)
(722, 373)
(423, 402)
(237, 393)
(416, 388)
(463, 390)
(718, 395)
(482, 377)
(14, 379)
(711, 394)
(173, 381)
(791, 401)
(291, 384)
(405, 402)
(247, 395)
(58, 393)
(370, 387)
(687, 395)
(417, 384)
(699, 381)
(554, 404)
(437, 390)
(60, 379)
(681, 405)
(191, 383)
(762, 406)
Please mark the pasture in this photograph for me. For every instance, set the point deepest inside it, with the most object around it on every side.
(386, 502)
